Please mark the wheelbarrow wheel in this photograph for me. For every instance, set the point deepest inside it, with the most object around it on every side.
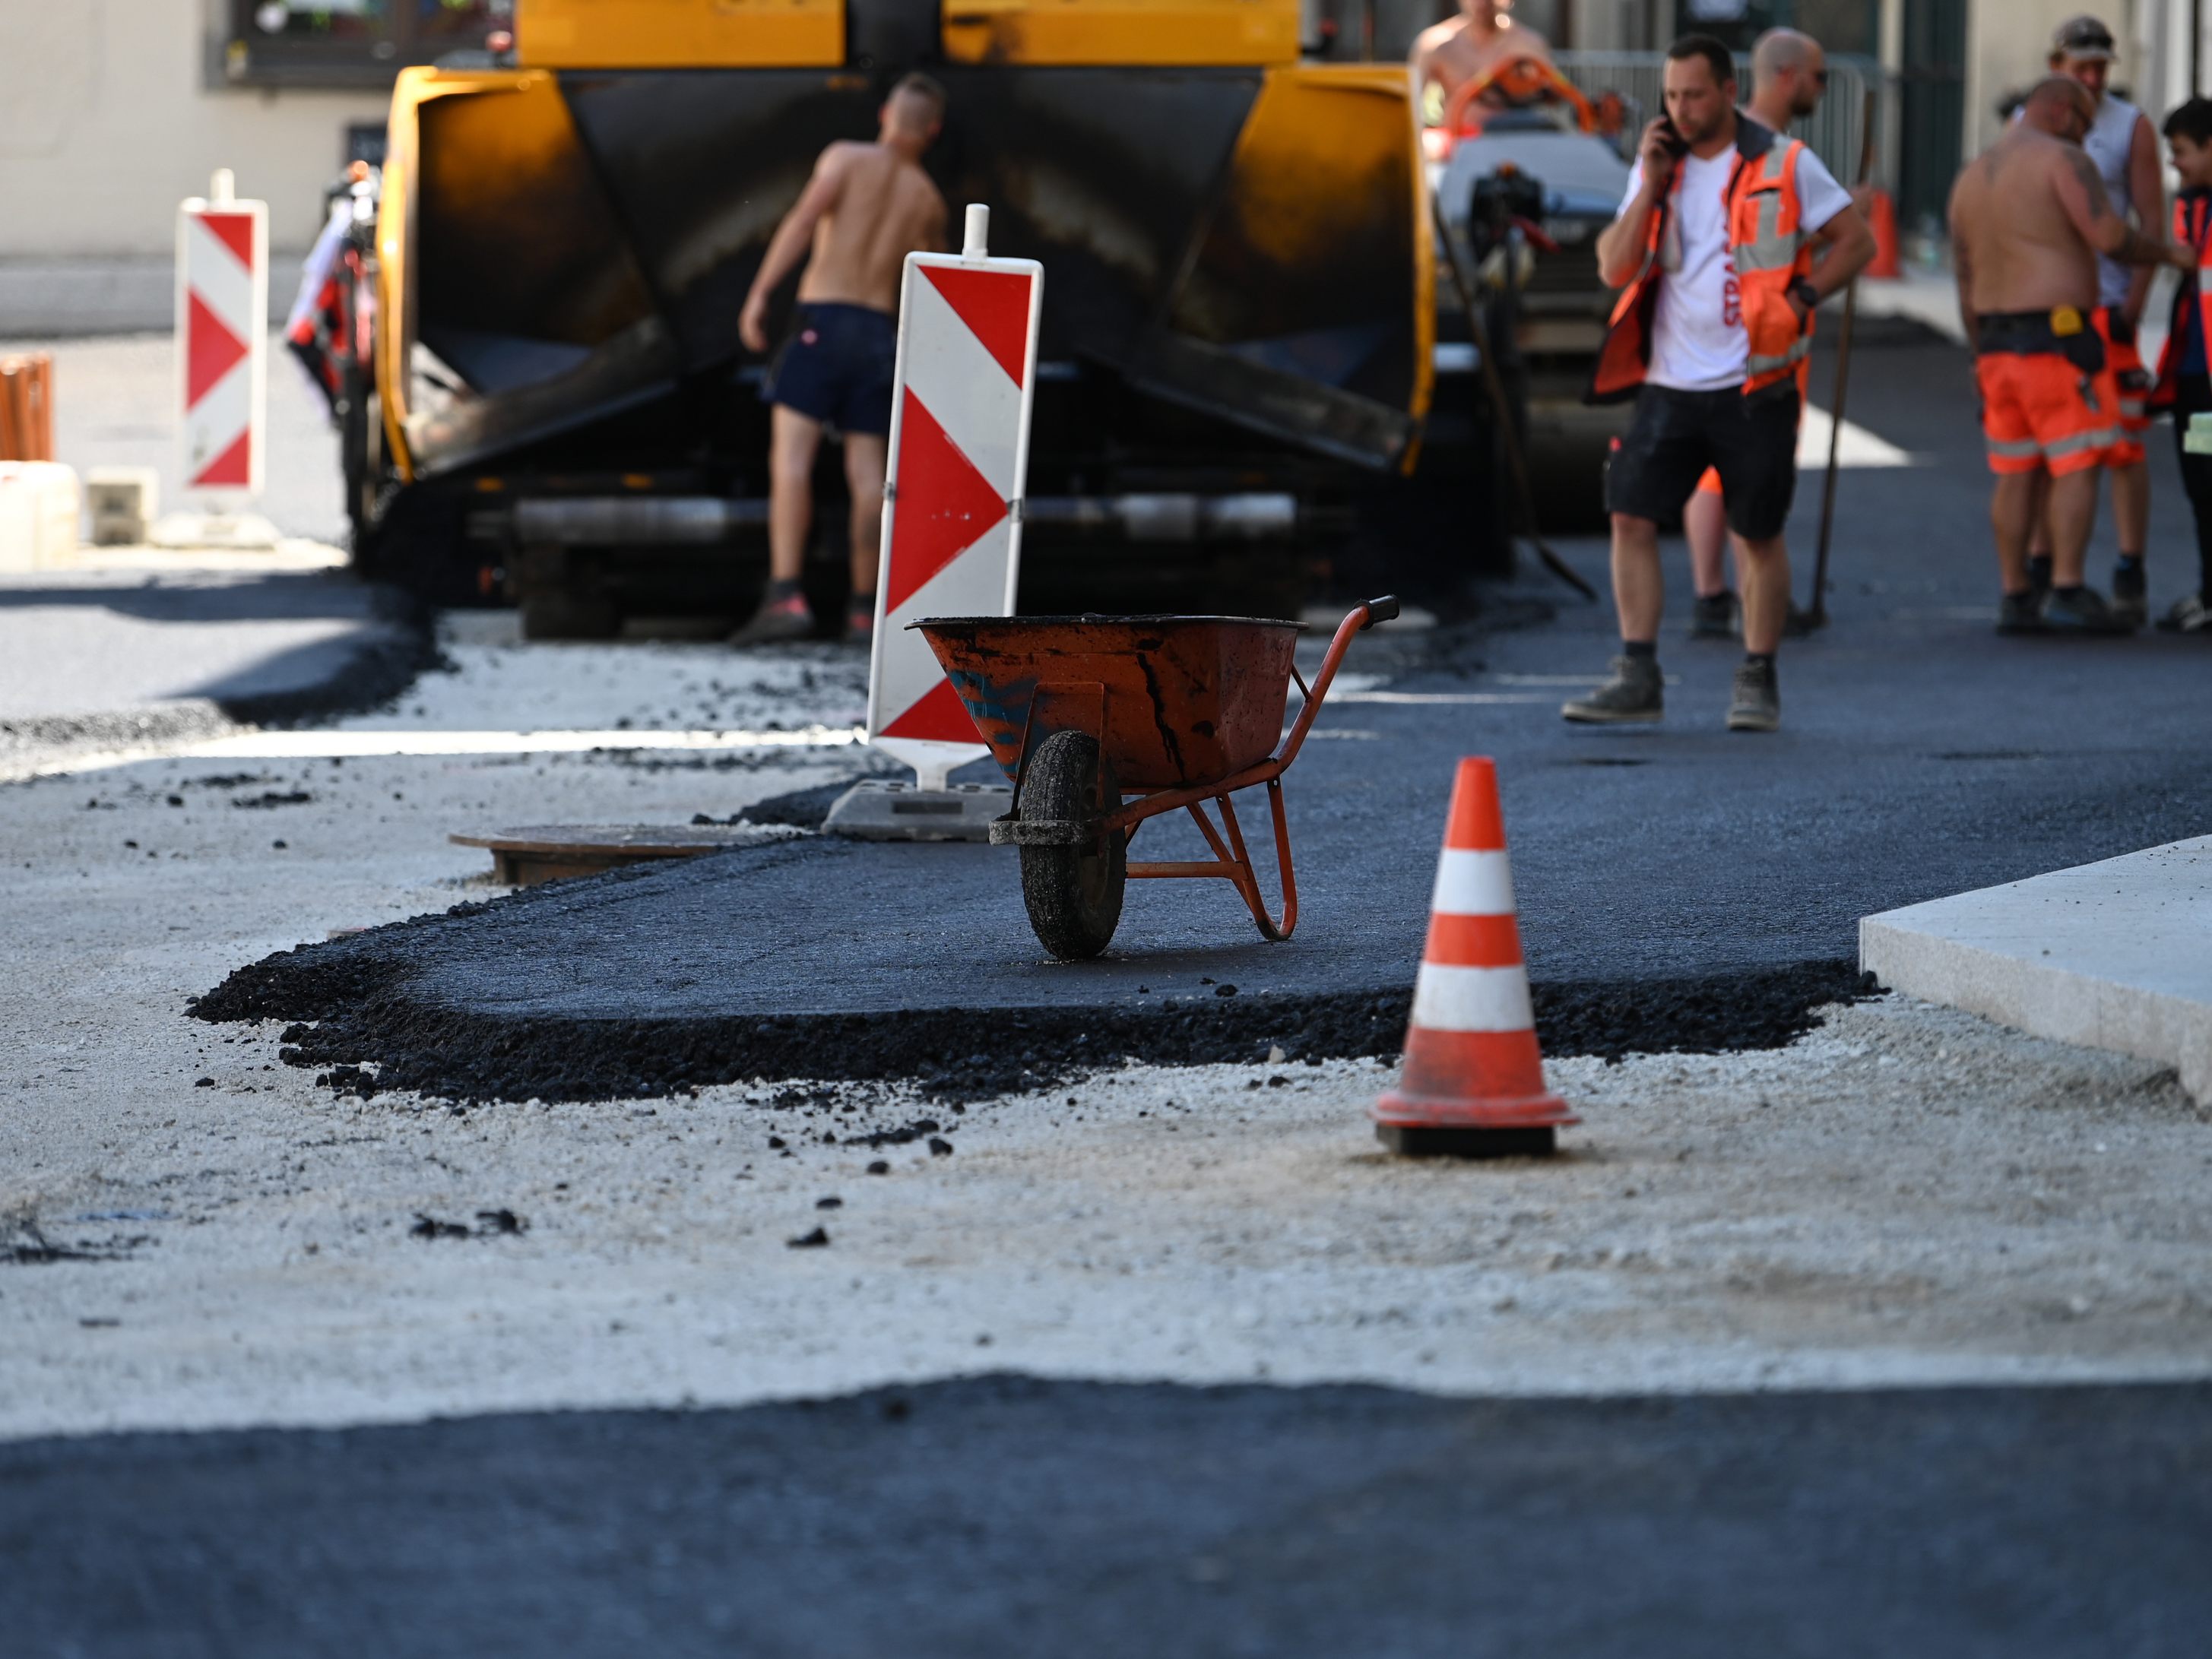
(1074, 892)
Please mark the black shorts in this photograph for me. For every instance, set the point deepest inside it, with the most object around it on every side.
(836, 367)
(1752, 441)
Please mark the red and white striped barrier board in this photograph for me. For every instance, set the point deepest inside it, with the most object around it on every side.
(222, 341)
(965, 381)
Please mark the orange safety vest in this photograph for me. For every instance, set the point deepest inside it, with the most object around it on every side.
(2192, 227)
(1769, 248)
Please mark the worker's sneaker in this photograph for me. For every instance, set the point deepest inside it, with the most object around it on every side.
(1757, 704)
(2080, 610)
(2189, 615)
(778, 620)
(861, 620)
(2022, 613)
(1716, 616)
(2130, 604)
(1634, 693)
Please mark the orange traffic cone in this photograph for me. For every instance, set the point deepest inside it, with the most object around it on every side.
(1472, 1082)
(1882, 220)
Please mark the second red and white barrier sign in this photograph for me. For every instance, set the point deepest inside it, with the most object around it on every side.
(965, 383)
(222, 342)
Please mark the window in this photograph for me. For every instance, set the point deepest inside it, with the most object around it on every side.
(352, 41)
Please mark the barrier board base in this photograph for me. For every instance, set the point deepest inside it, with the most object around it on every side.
(878, 809)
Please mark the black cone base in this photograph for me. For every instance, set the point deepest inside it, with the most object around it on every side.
(1467, 1143)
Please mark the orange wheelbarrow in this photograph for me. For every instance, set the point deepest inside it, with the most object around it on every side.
(1170, 712)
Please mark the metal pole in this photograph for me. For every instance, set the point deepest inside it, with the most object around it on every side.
(1502, 410)
(1818, 616)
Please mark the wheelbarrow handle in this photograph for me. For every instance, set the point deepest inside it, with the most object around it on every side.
(1363, 617)
(1380, 611)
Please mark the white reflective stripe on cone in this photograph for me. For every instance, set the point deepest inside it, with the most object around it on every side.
(1472, 999)
(1473, 884)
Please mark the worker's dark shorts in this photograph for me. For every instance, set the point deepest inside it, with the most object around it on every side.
(1752, 441)
(836, 367)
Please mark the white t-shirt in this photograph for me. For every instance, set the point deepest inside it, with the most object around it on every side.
(1698, 340)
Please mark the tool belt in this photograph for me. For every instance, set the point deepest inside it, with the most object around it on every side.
(2064, 331)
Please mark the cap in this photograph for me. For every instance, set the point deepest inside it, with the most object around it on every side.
(2082, 37)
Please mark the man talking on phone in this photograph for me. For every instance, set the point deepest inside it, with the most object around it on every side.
(1714, 246)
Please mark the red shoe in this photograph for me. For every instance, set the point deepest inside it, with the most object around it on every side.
(777, 623)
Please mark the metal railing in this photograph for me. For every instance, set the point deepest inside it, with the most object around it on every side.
(1833, 131)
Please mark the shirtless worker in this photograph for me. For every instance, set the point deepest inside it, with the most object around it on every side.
(2028, 219)
(865, 209)
(1789, 77)
(2126, 149)
(1460, 49)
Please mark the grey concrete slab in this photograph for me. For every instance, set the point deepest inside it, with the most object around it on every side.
(2112, 955)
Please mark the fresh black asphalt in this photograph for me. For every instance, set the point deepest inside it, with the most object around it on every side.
(1006, 1516)
(1680, 886)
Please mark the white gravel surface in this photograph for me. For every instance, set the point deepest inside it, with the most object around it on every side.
(1908, 1194)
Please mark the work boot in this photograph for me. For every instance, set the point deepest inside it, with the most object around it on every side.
(781, 617)
(861, 619)
(2080, 610)
(1634, 693)
(2130, 605)
(1757, 704)
(1716, 616)
(2022, 613)
(2039, 575)
(2189, 615)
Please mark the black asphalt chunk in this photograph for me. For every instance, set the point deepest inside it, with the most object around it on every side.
(813, 1240)
(802, 809)
(1003, 1515)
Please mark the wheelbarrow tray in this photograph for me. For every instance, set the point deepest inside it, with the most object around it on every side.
(1174, 700)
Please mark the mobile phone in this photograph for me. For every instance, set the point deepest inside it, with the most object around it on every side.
(1675, 142)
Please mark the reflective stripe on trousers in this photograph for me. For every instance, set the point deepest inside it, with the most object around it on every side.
(2028, 449)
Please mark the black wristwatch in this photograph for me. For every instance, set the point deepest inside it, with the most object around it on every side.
(1802, 289)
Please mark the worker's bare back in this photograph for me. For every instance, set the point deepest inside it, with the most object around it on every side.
(882, 208)
(2021, 235)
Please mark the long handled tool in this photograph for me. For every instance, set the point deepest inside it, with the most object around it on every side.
(1818, 616)
(1502, 410)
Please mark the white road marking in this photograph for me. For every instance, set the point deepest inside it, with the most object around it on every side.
(1860, 447)
(1441, 696)
(352, 745)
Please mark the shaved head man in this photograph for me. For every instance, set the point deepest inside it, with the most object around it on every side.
(2028, 219)
(1789, 73)
(2121, 143)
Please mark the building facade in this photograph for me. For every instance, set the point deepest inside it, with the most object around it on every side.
(112, 110)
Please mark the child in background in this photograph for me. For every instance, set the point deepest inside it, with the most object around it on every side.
(2185, 369)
